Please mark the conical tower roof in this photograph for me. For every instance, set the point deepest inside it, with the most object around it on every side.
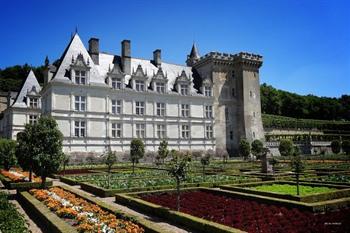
(194, 51)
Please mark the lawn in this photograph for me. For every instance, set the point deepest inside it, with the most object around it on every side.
(291, 189)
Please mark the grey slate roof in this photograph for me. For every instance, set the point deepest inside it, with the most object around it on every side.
(29, 85)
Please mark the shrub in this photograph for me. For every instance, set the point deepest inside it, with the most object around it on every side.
(346, 147)
(244, 148)
(109, 158)
(257, 148)
(137, 151)
(286, 147)
(336, 146)
(163, 151)
(222, 153)
(8, 153)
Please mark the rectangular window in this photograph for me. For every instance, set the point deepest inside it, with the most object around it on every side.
(116, 130)
(207, 91)
(80, 77)
(185, 131)
(140, 130)
(161, 132)
(116, 83)
(139, 85)
(116, 106)
(209, 131)
(33, 102)
(80, 103)
(33, 119)
(79, 128)
(160, 87)
(184, 89)
(140, 108)
(160, 109)
(226, 114)
(185, 110)
(208, 111)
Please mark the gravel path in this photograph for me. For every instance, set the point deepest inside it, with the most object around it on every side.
(168, 227)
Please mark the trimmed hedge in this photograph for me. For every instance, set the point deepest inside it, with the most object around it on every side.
(344, 191)
(192, 222)
(9, 184)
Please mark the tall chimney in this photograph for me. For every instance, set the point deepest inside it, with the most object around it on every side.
(126, 56)
(157, 60)
(94, 50)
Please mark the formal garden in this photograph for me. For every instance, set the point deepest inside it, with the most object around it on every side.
(171, 191)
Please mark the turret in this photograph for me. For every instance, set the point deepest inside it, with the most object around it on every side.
(193, 57)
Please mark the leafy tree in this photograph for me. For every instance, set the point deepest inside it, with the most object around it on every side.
(109, 158)
(163, 151)
(286, 147)
(46, 141)
(25, 150)
(297, 166)
(257, 148)
(7, 153)
(178, 169)
(346, 146)
(137, 151)
(205, 161)
(336, 146)
(65, 161)
(244, 148)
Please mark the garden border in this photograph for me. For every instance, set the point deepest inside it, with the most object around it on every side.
(343, 192)
(56, 223)
(9, 184)
(195, 223)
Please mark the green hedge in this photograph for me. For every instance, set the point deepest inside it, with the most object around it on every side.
(9, 184)
(192, 222)
(344, 191)
(282, 122)
(10, 220)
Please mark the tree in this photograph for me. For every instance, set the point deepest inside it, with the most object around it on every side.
(244, 148)
(25, 152)
(65, 161)
(222, 153)
(163, 151)
(8, 153)
(109, 158)
(273, 162)
(336, 146)
(297, 166)
(257, 148)
(286, 147)
(137, 151)
(205, 161)
(46, 140)
(178, 169)
(346, 146)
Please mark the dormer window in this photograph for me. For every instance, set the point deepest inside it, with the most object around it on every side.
(160, 87)
(80, 77)
(33, 102)
(116, 83)
(80, 70)
(184, 89)
(139, 85)
(207, 91)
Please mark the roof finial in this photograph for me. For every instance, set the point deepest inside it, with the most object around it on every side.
(47, 62)
(76, 29)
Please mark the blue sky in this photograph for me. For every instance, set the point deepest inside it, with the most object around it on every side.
(305, 44)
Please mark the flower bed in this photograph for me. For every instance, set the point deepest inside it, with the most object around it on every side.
(82, 214)
(335, 191)
(16, 175)
(335, 178)
(249, 215)
(99, 187)
(10, 220)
